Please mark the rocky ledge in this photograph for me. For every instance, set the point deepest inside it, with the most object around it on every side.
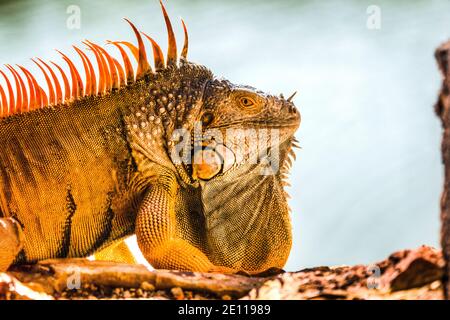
(407, 274)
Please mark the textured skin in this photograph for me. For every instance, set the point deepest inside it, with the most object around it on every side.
(80, 177)
(118, 252)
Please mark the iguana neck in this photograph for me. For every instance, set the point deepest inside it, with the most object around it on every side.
(247, 207)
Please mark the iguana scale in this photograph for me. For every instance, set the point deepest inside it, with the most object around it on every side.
(89, 162)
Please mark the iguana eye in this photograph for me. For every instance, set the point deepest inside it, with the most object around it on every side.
(246, 102)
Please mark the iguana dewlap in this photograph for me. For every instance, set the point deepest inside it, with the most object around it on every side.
(94, 159)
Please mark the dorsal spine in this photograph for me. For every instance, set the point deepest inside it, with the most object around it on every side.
(22, 96)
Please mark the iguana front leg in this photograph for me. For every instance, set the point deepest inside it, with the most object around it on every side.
(10, 242)
(157, 238)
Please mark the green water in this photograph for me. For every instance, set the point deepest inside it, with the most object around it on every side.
(368, 178)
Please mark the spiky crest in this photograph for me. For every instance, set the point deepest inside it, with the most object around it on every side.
(23, 96)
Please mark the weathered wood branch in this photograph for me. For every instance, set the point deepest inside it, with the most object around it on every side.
(443, 111)
(408, 274)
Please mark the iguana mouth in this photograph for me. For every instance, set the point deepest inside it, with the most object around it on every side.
(267, 124)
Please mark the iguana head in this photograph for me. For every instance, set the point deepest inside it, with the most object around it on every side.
(240, 125)
(247, 121)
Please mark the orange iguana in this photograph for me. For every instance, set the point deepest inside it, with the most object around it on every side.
(95, 159)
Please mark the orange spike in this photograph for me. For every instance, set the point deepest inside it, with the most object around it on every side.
(37, 92)
(114, 78)
(55, 82)
(23, 89)
(87, 89)
(58, 90)
(143, 65)
(121, 73)
(91, 80)
(107, 78)
(128, 66)
(157, 53)
(184, 53)
(51, 90)
(172, 50)
(11, 104)
(134, 50)
(77, 83)
(32, 104)
(18, 106)
(66, 82)
(4, 102)
(44, 97)
(112, 68)
(102, 68)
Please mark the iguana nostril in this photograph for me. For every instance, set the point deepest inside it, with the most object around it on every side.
(207, 118)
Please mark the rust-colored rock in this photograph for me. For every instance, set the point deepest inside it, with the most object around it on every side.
(413, 268)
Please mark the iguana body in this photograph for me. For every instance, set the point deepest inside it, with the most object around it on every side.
(85, 173)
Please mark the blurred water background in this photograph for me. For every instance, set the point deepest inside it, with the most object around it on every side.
(367, 180)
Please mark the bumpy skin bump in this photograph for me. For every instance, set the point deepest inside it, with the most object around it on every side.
(118, 252)
(81, 177)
